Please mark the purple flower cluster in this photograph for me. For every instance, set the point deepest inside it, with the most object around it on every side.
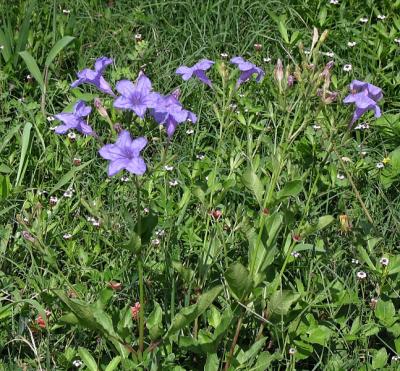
(365, 96)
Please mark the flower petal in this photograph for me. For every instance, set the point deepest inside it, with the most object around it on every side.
(123, 103)
(104, 86)
(125, 87)
(81, 110)
(124, 140)
(186, 72)
(61, 129)
(136, 166)
(203, 64)
(137, 145)
(116, 166)
(101, 63)
(111, 152)
(143, 83)
(203, 77)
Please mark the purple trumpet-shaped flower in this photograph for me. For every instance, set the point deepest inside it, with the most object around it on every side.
(365, 96)
(74, 120)
(248, 69)
(197, 70)
(95, 77)
(137, 96)
(125, 154)
(168, 111)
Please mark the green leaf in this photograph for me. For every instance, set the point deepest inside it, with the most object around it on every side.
(87, 359)
(23, 160)
(57, 48)
(283, 31)
(290, 189)
(253, 183)
(239, 280)
(319, 335)
(281, 301)
(113, 364)
(33, 68)
(380, 359)
(212, 362)
(385, 312)
(154, 322)
(365, 257)
(189, 314)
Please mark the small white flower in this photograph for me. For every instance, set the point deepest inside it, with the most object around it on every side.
(224, 55)
(295, 254)
(316, 127)
(374, 301)
(351, 44)
(138, 37)
(200, 156)
(66, 11)
(28, 77)
(155, 242)
(233, 106)
(292, 351)
(189, 131)
(334, 2)
(68, 193)
(71, 135)
(124, 179)
(361, 275)
(53, 200)
(90, 219)
(52, 128)
(363, 20)
(267, 59)
(346, 159)
(146, 210)
(67, 236)
(330, 54)
(355, 261)
(380, 165)
(173, 183)
(307, 52)
(96, 223)
(340, 176)
(347, 67)
(363, 153)
(241, 95)
(381, 17)
(397, 41)
(384, 261)
(50, 118)
(168, 168)
(77, 363)
(395, 358)
(160, 233)
(1, 47)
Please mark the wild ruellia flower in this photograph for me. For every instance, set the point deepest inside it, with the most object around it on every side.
(74, 120)
(125, 154)
(168, 111)
(197, 70)
(365, 96)
(95, 77)
(136, 97)
(248, 69)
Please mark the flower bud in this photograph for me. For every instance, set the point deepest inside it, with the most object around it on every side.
(100, 108)
(257, 47)
(278, 71)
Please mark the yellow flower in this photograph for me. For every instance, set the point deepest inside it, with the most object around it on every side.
(386, 160)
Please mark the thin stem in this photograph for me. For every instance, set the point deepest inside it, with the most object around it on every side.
(234, 341)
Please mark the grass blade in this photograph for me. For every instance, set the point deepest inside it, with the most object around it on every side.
(57, 48)
(26, 139)
(33, 68)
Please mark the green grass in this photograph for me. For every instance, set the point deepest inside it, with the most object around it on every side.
(270, 173)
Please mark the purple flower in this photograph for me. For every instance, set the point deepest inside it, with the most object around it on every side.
(74, 120)
(125, 154)
(365, 96)
(247, 69)
(94, 77)
(136, 97)
(197, 70)
(168, 111)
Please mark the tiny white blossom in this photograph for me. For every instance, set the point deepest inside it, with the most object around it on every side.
(334, 2)
(1, 47)
(71, 135)
(361, 275)
(330, 54)
(351, 44)
(384, 261)
(146, 210)
(380, 165)
(347, 67)
(200, 156)
(160, 233)
(168, 168)
(67, 236)
(189, 131)
(346, 159)
(96, 223)
(340, 176)
(395, 358)
(155, 242)
(397, 41)
(66, 11)
(316, 127)
(363, 153)
(138, 37)
(50, 118)
(355, 261)
(381, 17)
(307, 52)
(77, 363)
(266, 59)
(90, 219)
(295, 254)
(374, 301)
(53, 200)
(68, 193)
(224, 55)
(173, 183)
(124, 179)
(292, 351)
(364, 20)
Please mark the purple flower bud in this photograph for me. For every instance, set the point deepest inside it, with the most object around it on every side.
(27, 236)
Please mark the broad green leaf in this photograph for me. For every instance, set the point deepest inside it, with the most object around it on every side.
(283, 31)
(365, 257)
(253, 351)
(385, 312)
(25, 146)
(154, 322)
(87, 359)
(113, 364)
(318, 335)
(212, 362)
(380, 359)
(290, 189)
(253, 183)
(57, 48)
(189, 314)
(239, 280)
(33, 68)
(324, 221)
(281, 301)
